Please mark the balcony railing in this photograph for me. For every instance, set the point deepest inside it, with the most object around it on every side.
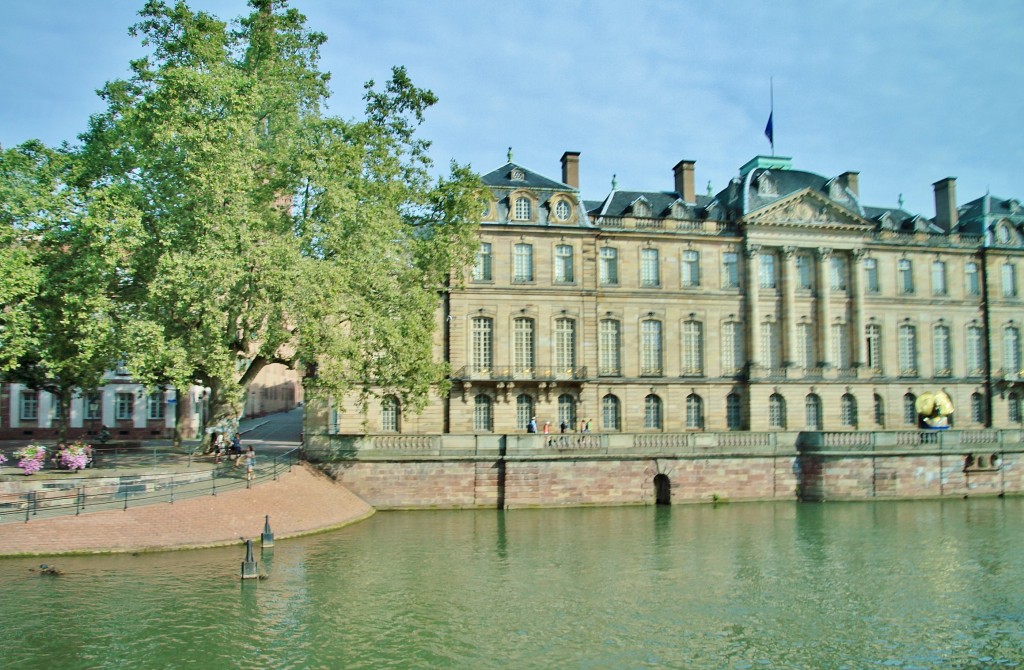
(505, 373)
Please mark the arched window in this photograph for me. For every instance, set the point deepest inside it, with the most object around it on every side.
(523, 209)
(812, 411)
(848, 410)
(524, 410)
(733, 412)
(610, 412)
(879, 411)
(977, 408)
(567, 410)
(483, 417)
(652, 412)
(694, 412)
(390, 414)
(910, 409)
(776, 411)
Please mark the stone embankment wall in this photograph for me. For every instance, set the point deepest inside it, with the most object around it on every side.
(510, 471)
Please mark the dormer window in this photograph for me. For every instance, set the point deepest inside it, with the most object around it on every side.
(562, 210)
(766, 185)
(641, 208)
(677, 210)
(523, 209)
(517, 175)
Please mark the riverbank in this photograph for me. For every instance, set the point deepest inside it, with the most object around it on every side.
(300, 502)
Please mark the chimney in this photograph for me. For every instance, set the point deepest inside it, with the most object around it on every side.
(684, 180)
(571, 169)
(945, 203)
(851, 180)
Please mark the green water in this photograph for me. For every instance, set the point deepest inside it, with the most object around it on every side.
(866, 585)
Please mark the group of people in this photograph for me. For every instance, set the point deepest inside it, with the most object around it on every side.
(233, 449)
(531, 426)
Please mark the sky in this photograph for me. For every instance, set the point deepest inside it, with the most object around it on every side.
(906, 92)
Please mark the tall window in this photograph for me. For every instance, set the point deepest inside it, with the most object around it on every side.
(524, 410)
(155, 405)
(609, 341)
(1009, 280)
(611, 414)
(804, 273)
(1013, 406)
(522, 263)
(567, 410)
(389, 414)
(523, 209)
(730, 270)
(565, 346)
(848, 411)
(871, 275)
(650, 347)
(771, 354)
(694, 412)
(691, 269)
(93, 406)
(910, 409)
(805, 345)
(873, 333)
(482, 344)
(906, 276)
(942, 358)
(837, 272)
(908, 350)
(766, 269)
(977, 408)
(522, 346)
(733, 412)
(972, 279)
(482, 266)
(609, 266)
(649, 273)
(776, 411)
(975, 352)
(812, 410)
(693, 348)
(652, 412)
(483, 417)
(563, 264)
(29, 410)
(939, 278)
(840, 345)
(879, 411)
(732, 347)
(123, 406)
(1011, 350)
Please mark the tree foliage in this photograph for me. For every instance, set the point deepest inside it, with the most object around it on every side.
(265, 229)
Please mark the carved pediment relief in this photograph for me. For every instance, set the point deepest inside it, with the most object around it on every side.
(805, 208)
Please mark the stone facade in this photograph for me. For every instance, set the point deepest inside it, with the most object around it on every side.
(780, 303)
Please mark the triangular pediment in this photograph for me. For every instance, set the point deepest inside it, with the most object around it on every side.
(806, 208)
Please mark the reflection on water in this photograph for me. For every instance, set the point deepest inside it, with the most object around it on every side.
(934, 584)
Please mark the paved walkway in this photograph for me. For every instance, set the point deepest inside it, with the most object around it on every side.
(300, 502)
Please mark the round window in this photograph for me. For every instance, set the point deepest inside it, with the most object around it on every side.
(562, 210)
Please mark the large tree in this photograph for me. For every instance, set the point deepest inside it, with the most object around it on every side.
(273, 231)
(61, 251)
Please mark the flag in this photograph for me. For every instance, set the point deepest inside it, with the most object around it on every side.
(769, 131)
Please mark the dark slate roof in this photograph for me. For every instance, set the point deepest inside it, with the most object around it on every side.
(972, 215)
(502, 178)
(620, 203)
(743, 195)
(899, 220)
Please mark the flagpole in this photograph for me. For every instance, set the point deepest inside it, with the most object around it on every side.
(771, 113)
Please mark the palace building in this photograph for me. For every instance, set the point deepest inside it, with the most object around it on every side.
(779, 303)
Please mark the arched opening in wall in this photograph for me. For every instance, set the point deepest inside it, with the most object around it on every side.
(662, 490)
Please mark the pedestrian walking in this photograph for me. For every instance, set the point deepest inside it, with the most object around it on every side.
(531, 426)
(250, 463)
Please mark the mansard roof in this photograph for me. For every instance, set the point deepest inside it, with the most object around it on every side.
(976, 215)
(765, 180)
(502, 178)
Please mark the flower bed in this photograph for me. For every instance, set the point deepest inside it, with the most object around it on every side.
(31, 458)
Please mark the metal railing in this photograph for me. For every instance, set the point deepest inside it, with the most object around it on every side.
(62, 496)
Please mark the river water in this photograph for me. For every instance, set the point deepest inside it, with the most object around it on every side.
(933, 584)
